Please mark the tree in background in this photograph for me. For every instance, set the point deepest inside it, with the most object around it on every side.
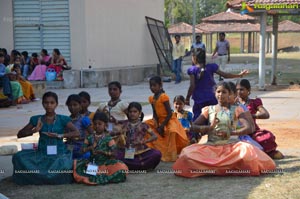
(182, 10)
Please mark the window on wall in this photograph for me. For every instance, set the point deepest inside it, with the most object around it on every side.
(42, 24)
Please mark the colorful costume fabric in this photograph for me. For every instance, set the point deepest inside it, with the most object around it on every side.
(36, 166)
(27, 89)
(81, 123)
(174, 139)
(185, 118)
(39, 72)
(108, 170)
(117, 111)
(252, 105)
(222, 156)
(247, 138)
(145, 158)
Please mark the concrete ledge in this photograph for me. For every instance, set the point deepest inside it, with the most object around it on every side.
(54, 84)
(95, 78)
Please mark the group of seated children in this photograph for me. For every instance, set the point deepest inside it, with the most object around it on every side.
(17, 68)
(35, 67)
(15, 89)
(102, 147)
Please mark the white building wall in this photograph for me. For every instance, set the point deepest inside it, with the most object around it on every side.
(6, 25)
(78, 35)
(117, 34)
(104, 34)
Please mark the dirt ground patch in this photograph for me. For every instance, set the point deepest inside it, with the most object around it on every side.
(284, 183)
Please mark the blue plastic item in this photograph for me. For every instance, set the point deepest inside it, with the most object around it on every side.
(50, 74)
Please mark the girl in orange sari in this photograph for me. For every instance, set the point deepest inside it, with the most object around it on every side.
(171, 135)
(223, 154)
(26, 85)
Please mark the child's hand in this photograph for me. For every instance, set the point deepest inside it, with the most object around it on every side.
(222, 134)
(244, 73)
(38, 126)
(215, 121)
(51, 134)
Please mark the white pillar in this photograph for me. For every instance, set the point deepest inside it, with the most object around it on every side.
(274, 49)
(268, 42)
(242, 42)
(262, 61)
(249, 42)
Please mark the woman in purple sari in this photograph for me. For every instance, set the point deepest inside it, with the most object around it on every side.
(134, 152)
(39, 72)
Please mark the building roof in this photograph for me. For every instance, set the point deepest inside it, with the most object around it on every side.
(286, 26)
(229, 27)
(237, 4)
(228, 17)
(183, 29)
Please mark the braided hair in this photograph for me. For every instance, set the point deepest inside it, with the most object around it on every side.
(200, 56)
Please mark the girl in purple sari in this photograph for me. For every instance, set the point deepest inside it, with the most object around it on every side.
(39, 72)
(135, 153)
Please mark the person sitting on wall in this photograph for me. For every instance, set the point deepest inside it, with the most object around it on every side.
(58, 63)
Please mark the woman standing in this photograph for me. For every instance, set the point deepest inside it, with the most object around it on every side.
(202, 82)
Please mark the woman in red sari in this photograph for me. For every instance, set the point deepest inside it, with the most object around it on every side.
(58, 63)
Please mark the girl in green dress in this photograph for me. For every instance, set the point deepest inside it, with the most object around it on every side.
(51, 163)
(101, 168)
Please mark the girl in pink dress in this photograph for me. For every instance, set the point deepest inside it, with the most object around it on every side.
(40, 70)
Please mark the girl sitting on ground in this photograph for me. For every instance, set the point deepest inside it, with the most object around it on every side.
(51, 153)
(135, 153)
(185, 118)
(82, 123)
(258, 111)
(222, 154)
(101, 168)
(233, 100)
(27, 88)
(171, 135)
(85, 103)
(116, 110)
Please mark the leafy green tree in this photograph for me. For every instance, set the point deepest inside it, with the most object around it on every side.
(182, 10)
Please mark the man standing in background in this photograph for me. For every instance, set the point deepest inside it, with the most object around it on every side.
(223, 50)
(178, 53)
(198, 44)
